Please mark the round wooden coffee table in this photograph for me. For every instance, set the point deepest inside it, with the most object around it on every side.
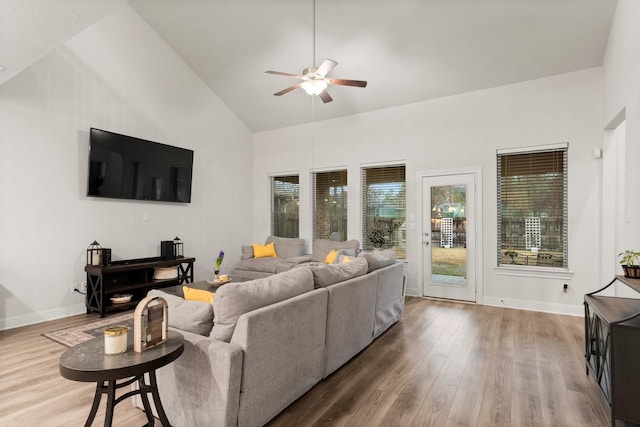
(87, 362)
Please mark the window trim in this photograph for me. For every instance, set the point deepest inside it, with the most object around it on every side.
(313, 173)
(363, 194)
(563, 272)
(272, 178)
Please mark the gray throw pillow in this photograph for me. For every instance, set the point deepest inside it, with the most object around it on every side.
(322, 247)
(344, 254)
(191, 316)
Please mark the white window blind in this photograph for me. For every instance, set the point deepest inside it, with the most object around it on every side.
(532, 207)
(329, 202)
(384, 207)
(285, 201)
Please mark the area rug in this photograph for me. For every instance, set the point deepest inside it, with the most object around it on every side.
(76, 334)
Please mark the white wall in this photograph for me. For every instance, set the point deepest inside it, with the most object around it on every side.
(117, 75)
(461, 131)
(622, 101)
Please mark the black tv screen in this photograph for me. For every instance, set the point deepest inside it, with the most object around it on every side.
(124, 167)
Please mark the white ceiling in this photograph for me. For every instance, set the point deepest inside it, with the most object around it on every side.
(408, 50)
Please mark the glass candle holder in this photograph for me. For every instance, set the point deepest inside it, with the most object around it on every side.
(115, 340)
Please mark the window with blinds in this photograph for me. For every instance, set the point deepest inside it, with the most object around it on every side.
(384, 208)
(285, 201)
(329, 205)
(532, 207)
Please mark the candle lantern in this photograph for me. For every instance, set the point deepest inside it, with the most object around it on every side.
(178, 247)
(94, 253)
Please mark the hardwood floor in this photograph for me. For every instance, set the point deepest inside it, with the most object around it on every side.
(454, 364)
(444, 364)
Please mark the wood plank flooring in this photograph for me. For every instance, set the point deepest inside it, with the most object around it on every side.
(444, 364)
(455, 364)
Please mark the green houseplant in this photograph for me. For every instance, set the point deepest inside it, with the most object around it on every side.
(629, 260)
(511, 254)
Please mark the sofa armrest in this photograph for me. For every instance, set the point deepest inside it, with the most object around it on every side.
(202, 386)
(298, 259)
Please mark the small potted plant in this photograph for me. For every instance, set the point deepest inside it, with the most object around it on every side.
(629, 260)
(511, 254)
(216, 270)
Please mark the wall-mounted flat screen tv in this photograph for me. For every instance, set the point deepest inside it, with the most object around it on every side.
(124, 167)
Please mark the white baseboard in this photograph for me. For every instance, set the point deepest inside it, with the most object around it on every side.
(41, 316)
(545, 307)
(571, 310)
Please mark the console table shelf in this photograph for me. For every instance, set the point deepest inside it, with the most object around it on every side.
(131, 276)
(612, 345)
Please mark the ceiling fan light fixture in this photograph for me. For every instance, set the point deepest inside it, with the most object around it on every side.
(314, 86)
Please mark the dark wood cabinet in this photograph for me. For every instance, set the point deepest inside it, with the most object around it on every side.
(612, 349)
(135, 277)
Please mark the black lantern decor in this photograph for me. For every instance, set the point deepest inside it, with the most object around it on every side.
(94, 254)
(178, 247)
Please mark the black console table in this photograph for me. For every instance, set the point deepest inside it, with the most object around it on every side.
(133, 277)
(612, 346)
(87, 362)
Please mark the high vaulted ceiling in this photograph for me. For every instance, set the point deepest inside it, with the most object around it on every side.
(407, 50)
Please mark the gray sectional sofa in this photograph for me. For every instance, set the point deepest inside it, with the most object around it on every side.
(273, 339)
(290, 253)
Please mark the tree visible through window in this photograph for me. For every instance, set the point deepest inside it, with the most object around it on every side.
(384, 208)
(330, 205)
(532, 207)
(285, 201)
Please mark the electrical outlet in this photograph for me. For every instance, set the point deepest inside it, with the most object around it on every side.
(79, 287)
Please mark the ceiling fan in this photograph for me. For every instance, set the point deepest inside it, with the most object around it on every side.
(314, 79)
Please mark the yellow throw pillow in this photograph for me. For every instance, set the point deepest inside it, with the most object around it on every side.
(331, 257)
(264, 251)
(346, 259)
(192, 294)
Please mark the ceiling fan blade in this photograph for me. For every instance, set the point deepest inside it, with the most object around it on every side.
(344, 82)
(326, 66)
(280, 73)
(324, 95)
(287, 90)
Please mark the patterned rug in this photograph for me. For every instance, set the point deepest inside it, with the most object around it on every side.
(77, 334)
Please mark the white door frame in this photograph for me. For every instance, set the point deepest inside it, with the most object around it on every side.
(477, 172)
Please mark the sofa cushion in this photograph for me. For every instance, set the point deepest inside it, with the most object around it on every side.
(235, 299)
(379, 259)
(192, 316)
(264, 251)
(263, 265)
(322, 247)
(328, 274)
(247, 252)
(287, 247)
